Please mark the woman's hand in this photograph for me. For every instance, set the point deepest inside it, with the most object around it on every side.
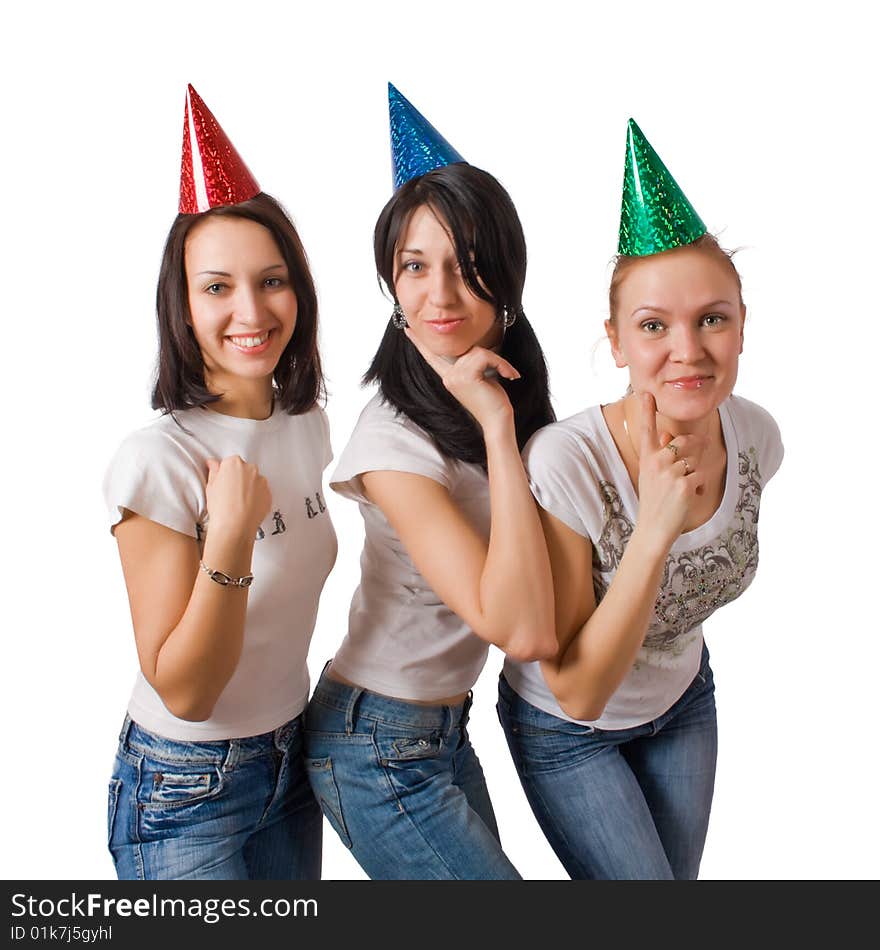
(238, 496)
(670, 476)
(470, 380)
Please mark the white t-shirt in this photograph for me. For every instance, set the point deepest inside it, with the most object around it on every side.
(160, 472)
(402, 640)
(577, 474)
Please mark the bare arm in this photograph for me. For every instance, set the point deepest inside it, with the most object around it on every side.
(503, 589)
(188, 629)
(598, 645)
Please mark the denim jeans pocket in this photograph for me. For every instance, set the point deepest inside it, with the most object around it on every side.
(550, 751)
(411, 748)
(112, 805)
(545, 743)
(167, 786)
(412, 764)
(172, 789)
(529, 729)
(326, 791)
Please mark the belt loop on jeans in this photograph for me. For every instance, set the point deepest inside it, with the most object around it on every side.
(351, 709)
(126, 729)
(283, 733)
(232, 755)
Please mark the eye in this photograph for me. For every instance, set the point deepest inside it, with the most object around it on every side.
(413, 267)
(272, 282)
(652, 326)
(214, 289)
(714, 319)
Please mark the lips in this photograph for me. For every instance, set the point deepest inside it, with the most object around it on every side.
(445, 326)
(688, 382)
(250, 343)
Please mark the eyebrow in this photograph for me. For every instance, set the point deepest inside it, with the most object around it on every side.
(223, 273)
(705, 306)
(410, 250)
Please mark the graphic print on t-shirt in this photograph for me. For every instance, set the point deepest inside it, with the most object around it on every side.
(277, 518)
(695, 582)
(280, 527)
(319, 501)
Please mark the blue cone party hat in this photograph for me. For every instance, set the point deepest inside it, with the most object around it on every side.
(416, 146)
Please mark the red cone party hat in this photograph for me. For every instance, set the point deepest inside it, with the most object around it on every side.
(211, 171)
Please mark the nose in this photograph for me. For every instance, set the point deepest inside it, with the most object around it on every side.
(443, 288)
(687, 346)
(246, 306)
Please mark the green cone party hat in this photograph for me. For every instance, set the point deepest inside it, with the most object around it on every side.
(655, 215)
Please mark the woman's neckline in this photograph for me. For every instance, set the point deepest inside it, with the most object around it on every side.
(718, 518)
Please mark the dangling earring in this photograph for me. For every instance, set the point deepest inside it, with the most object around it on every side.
(398, 317)
(508, 317)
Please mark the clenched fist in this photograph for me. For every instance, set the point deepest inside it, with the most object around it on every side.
(238, 496)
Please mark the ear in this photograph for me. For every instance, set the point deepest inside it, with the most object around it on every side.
(742, 327)
(616, 352)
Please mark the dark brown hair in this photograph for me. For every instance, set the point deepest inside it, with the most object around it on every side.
(707, 243)
(491, 250)
(180, 372)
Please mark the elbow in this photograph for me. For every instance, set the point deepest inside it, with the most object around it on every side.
(191, 702)
(186, 705)
(188, 708)
(190, 712)
(581, 708)
(575, 701)
(532, 645)
(193, 713)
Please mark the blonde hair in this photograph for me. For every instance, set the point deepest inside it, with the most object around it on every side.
(706, 243)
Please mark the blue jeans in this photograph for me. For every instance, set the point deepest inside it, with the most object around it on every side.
(623, 804)
(402, 786)
(236, 809)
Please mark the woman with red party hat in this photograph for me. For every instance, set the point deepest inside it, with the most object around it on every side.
(225, 541)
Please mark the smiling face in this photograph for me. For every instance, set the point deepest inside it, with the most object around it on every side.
(439, 307)
(241, 302)
(678, 326)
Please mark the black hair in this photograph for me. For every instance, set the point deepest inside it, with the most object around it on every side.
(491, 250)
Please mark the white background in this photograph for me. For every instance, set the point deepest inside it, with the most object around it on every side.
(765, 113)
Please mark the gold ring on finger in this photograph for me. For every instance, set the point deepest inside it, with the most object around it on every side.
(672, 448)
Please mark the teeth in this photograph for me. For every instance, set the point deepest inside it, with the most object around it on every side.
(249, 341)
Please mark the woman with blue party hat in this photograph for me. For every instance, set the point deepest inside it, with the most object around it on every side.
(454, 558)
(650, 511)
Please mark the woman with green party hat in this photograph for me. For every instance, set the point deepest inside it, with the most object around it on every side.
(650, 511)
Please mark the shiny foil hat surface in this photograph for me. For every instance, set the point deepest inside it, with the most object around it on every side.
(416, 146)
(212, 172)
(655, 215)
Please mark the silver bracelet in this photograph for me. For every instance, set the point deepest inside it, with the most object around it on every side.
(224, 580)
